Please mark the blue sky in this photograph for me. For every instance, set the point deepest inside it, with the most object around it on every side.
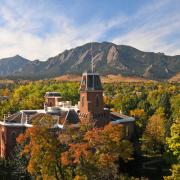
(38, 29)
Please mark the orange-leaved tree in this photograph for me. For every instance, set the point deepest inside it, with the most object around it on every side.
(43, 148)
(97, 155)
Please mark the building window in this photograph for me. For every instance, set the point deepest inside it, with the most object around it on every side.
(97, 101)
(82, 101)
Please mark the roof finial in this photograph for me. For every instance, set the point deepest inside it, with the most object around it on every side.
(92, 60)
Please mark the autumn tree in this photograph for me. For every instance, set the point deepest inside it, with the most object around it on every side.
(175, 170)
(109, 146)
(174, 140)
(175, 106)
(141, 120)
(97, 155)
(5, 92)
(125, 103)
(44, 150)
(173, 143)
(154, 136)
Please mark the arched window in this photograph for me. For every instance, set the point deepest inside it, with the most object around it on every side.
(97, 101)
(82, 101)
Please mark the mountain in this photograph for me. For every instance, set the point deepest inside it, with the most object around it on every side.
(12, 65)
(108, 58)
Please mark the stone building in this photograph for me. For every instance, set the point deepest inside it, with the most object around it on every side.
(90, 109)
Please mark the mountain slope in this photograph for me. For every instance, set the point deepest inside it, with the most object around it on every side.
(12, 65)
(108, 58)
(175, 78)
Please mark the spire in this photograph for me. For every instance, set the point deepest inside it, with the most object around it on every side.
(91, 80)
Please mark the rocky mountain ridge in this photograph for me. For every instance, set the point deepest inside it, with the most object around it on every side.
(108, 58)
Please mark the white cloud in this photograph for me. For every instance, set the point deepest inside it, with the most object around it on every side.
(152, 30)
(36, 33)
(20, 33)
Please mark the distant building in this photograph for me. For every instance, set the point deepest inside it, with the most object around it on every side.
(90, 109)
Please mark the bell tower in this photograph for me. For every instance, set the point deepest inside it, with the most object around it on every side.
(91, 100)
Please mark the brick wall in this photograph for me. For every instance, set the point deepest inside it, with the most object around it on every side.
(8, 135)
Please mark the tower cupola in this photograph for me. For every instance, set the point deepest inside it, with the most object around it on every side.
(91, 100)
(91, 82)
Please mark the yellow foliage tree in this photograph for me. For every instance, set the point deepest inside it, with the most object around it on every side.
(154, 135)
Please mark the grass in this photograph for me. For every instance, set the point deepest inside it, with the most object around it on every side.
(105, 79)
